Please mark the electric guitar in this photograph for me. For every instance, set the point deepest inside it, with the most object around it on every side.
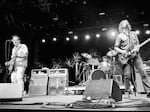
(131, 53)
(10, 65)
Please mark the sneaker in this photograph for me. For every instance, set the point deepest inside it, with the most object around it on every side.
(25, 94)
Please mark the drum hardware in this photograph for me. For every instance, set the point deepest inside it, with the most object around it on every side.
(84, 71)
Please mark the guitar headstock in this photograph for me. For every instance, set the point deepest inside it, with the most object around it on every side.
(148, 39)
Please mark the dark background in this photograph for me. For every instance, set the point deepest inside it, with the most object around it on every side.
(34, 20)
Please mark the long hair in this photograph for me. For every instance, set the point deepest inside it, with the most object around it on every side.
(124, 24)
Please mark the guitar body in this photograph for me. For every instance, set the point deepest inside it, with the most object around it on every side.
(131, 53)
(10, 67)
(125, 58)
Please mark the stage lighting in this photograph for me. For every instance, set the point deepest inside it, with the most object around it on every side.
(67, 38)
(113, 33)
(137, 32)
(54, 39)
(84, 2)
(147, 32)
(43, 41)
(87, 37)
(102, 13)
(70, 32)
(75, 37)
(97, 35)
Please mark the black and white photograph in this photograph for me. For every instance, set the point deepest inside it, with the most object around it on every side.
(74, 55)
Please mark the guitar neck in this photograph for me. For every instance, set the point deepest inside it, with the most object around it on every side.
(143, 43)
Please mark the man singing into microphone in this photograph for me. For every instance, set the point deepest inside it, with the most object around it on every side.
(18, 63)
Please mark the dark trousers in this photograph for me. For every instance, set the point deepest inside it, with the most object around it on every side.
(137, 64)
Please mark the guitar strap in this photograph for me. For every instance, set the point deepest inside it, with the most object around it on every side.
(131, 44)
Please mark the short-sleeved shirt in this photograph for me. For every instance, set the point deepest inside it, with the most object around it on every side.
(127, 42)
(21, 55)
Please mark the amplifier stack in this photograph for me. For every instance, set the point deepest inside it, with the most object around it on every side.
(48, 81)
(58, 80)
(38, 82)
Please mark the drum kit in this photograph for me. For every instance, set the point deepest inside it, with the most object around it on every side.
(111, 53)
(104, 68)
(90, 60)
(86, 55)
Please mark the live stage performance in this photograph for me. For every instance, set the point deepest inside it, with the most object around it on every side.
(74, 55)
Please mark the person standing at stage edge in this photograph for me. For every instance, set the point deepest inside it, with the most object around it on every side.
(19, 60)
(125, 40)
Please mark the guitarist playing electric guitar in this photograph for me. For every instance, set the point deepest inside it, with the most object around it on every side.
(123, 58)
(127, 46)
(18, 63)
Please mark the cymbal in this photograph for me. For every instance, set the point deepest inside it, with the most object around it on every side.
(111, 53)
(93, 61)
(86, 55)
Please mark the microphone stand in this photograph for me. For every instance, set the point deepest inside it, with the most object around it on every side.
(7, 55)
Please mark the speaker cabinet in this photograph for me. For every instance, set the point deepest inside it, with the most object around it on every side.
(39, 72)
(10, 92)
(38, 85)
(58, 80)
(103, 89)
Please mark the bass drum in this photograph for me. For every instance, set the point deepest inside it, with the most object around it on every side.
(97, 74)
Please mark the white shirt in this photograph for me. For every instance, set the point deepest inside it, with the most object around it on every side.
(20, 53)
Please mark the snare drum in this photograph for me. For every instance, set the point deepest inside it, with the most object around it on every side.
(97, 74)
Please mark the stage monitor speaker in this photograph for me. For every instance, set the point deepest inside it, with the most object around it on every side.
(58, 80)
(102, 89)
(10, 92)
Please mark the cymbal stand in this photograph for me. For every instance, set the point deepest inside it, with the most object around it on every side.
(113, 66)
(85, 74)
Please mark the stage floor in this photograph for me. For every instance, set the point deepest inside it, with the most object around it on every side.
(60, 102)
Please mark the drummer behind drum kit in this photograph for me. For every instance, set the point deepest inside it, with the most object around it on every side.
(103, 69)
